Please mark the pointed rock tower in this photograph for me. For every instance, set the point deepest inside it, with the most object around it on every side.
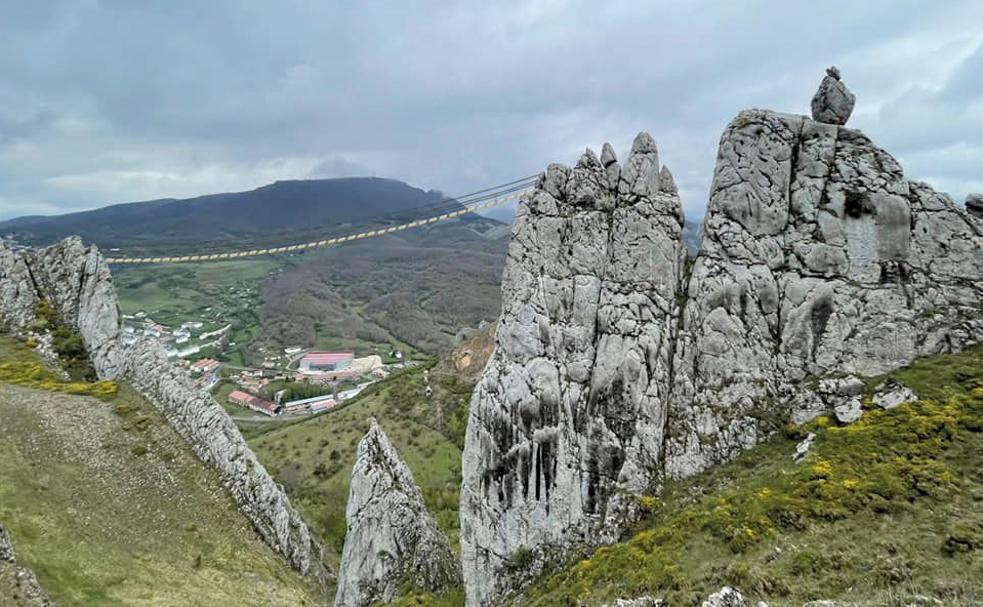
(391, 537)
(820, 264)
(566, 421)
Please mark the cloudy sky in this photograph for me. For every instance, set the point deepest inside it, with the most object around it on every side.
(105, 101)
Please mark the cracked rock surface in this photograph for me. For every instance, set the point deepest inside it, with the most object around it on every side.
(819, 260)
(391, 537)
(833, 102)
(566, 423)
(974, 205)
(18, 585)
(820, 265)
(76, 282)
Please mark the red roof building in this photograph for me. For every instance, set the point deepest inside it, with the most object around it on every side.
(261, 405)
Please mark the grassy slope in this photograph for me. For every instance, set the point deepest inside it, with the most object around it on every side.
(313, 458)
(109, 507)
(881, 510)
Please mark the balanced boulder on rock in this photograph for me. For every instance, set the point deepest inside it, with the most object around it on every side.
(833, 102)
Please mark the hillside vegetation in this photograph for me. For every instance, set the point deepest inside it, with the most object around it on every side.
(881, 512)
(313, 458)
(410, 291)
(109, 507)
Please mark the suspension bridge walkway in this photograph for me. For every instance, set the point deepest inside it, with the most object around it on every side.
(470, 203)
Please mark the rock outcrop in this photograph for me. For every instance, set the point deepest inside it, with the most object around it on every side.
(76, 282)
(833, 102)
(391, 538)
(567, 421)
(726, 597)
(18, 585)
(820, 265)
(974, 205)
(819, 261)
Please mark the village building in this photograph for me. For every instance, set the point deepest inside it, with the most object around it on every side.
(250, 401)
(310, 405)
(205, 365)
(319, 362)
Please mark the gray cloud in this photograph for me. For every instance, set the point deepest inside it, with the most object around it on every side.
(108, 101)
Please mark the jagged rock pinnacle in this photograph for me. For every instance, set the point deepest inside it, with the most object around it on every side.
(569, 406)
(391, 537)
(833, 102)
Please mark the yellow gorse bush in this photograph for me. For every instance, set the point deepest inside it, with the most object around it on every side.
(35, 375)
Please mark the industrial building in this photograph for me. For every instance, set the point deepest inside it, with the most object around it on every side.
(315, 362)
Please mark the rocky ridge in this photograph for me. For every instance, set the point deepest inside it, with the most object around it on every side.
(18, 584)
(569, 413)
(820, 265)
(391, 537)
(76, 282)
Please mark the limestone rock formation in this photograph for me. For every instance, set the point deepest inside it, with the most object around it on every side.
(833, 102)
(566, 423)
(726, 597)
(819, 260)
(803, 447)
(974, 204)
(18, 585)
(76, 282)
(391, 537)
(891, 394)
(820, 265)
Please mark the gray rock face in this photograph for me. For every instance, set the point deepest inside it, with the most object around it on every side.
(820, 265)
(891, 394)
(18, 585)
(391, 537)
(818, 260)
(974, 205)
(833, 102)
(727, 597)
(802, 448)
(76, 282)
(566, 424)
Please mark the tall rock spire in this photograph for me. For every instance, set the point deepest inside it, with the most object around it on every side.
(391, 537)
(568, 415)
(819, 259)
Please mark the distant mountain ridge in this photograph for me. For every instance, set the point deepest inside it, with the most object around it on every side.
(284, 207)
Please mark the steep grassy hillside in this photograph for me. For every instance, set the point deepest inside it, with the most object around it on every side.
(882, 510)
(313, 459)
(109, 507)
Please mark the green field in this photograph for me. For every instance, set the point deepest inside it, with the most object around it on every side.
(109, 507)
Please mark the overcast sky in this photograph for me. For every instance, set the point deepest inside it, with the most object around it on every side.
(113, 100)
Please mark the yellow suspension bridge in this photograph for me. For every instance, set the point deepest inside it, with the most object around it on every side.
(478, 201)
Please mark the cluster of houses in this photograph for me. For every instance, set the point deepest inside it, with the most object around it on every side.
(181, 342)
